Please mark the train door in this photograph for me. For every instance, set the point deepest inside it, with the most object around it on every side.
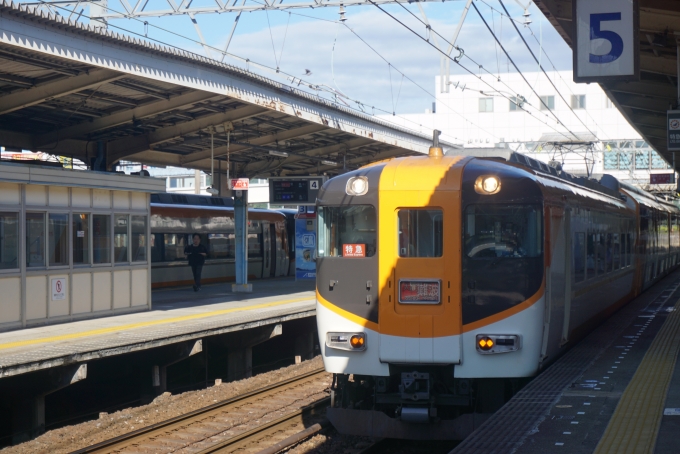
(266, 250)
(555, 285)
(273, 247)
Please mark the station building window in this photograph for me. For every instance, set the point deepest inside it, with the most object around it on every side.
(81, 238)
(486, 104)
(578, 101)
(35, 240)
(120, 238)
(547, 102)
(138, 238)
(57, 228)
(9, 241)
(101, 238)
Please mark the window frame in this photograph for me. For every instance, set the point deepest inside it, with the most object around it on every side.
(18, 214)
(547, 102)
(485, 100)
(434, 245)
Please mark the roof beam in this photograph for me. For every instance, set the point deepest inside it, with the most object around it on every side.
(652, 89)
(59, 88)
(390, 153)
(126, 116)
(658, 65)
(127, 146)
(643, 103)
(259, 141)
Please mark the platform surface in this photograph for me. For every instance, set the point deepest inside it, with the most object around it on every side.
(616, 391)
(178, 314)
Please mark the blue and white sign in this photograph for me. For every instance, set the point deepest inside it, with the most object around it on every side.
(305, 249)
(606, 45)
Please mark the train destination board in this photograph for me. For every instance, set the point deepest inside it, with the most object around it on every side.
(294, 191)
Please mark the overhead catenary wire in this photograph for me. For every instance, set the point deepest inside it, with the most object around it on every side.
(544, 52)
(463, 67)
(543, 70)
(515, 101)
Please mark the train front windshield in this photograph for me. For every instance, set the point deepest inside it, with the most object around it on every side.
(502, 231)
(347, 231)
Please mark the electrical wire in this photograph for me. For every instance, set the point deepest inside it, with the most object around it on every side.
(543, 70)
(520, 105)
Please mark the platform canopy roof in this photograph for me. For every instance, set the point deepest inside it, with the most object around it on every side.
(67, 88)
(644, 103)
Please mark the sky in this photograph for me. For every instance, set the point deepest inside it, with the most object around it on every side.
(391, 71)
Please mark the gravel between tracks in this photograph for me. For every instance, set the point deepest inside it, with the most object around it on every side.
(67, 439)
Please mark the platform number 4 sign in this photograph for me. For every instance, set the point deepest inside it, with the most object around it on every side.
(314, 184)
(606, 45)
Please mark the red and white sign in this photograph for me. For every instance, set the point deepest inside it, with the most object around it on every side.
(58, 289)
(354, 250)
(419, 292)
(239, 184)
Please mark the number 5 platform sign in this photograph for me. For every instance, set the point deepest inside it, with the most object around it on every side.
(606, 43)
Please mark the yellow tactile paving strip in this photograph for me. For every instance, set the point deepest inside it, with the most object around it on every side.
(145, 324)
(635, 423)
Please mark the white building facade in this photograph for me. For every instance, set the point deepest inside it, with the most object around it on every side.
(574, 124)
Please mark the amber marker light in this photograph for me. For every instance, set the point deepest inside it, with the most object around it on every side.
(357, 341)
(487, 185)
(485, 343)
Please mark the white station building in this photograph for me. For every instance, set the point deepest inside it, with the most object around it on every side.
(593, 137)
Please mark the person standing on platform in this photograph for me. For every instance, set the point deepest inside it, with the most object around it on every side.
(196, 254)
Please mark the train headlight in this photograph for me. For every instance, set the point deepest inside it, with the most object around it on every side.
(487, 185)
(498, 343)
(346, 341)
(357, 186)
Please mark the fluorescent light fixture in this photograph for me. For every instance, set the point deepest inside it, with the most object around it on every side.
(283, 154)
(329, 163)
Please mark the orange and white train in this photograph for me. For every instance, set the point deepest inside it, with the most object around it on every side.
(445, 282)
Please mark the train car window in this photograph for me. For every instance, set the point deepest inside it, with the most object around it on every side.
(138, 238)
(101, 238)
(347, 231)
(254, 245)
(579, 257)
(420, 233)
(624, 254)
(174, 244)
(9, 241)
(157, 247)
(503, 231)
(590, 256)
(616, 252)
(608, 253)
(221, 246)
(600, 254)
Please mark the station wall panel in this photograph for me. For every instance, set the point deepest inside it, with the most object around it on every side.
(80, 198)
(121, 289)
(36, 297)
(10, 194)
(36, 195)
(81, 293)
(139, 201)
(58, 196)
(121, 200)
(101, 297)
(10, 303)
(139, 287)
(58, 307)
(101, 198)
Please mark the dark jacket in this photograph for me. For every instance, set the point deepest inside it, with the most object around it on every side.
(195, 257)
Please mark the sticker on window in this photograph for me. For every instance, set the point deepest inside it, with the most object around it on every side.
(354, 250)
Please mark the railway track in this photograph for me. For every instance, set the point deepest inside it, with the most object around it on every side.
(239, 424)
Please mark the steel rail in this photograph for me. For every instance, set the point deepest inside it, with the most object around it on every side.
(163, 426)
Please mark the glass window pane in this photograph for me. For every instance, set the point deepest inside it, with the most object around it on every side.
(340, 227)
(35, 239)
(81, 238)
(9, 241)
(421, 233)
(174, 244)
(138, 240)
(611, 160)
(625, 160)
(503, 231)
(658, 162)
(579, 256)
(590, 257)
(101, 238)
(221, 245)
(58, 243)
(642, 159)
(120, 238)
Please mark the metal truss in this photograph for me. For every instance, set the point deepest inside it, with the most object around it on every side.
(105, 9)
